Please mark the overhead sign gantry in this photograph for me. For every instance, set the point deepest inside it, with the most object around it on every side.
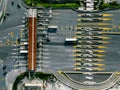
(32, 13)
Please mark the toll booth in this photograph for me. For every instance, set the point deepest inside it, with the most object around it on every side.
(89, 5)
(70, 41)
(33, 85)
(52, 29)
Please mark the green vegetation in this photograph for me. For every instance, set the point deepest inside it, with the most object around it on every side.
(43, 76)
(109, 5)
(67, 5)
(30, 2)
(18, 79)
(53, 5)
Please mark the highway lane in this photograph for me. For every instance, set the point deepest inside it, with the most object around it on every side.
(5, 51)
(101, 86)
(15, 9)
(64, 32)
(23, 5)
(55, 38)
(114, 78)
(60, 54)
(14, 23)
(15, 15)
(11, 23)
(64, 57)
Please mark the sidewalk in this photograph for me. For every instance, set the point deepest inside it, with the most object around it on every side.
(3, 4)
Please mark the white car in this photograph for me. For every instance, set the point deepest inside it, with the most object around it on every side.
(89, 77)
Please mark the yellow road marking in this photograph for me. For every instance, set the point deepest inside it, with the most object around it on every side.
(107, 15)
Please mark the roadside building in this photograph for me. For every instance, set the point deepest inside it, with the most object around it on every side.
(108, 1)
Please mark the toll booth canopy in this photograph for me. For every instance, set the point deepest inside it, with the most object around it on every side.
(70, 41)
(52, 29)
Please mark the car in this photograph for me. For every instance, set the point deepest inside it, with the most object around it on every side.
(5, 73)
(7, 13)
(4, 67)
(18, 6)
(12, 3)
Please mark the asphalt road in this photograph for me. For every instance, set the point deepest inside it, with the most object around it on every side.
(61, 57)
(67, 29)
(58, 56)
(11, 23)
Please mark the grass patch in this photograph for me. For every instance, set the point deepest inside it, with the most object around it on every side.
(47, 5)
(18, 79)
(43, 76)
(67, 5)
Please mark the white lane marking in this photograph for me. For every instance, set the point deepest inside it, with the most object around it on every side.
(19, 1)
(32, 43)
